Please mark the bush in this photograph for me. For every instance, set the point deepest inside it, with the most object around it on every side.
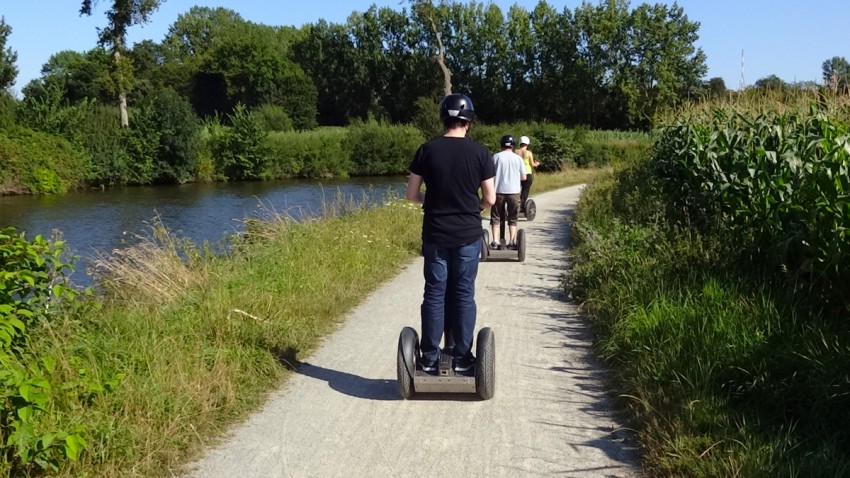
(205, 167)
(174, 135)
(48, 113)
(426, 117)
(104, 139)
(8, 106)
(242, 150)
(33, 291)
(554, 147)
(309, 154)
(39, 163)
(274, 118)
(377, 148)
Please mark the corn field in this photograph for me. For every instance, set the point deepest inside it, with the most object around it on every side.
(780, 176)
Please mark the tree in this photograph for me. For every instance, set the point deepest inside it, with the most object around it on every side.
(123, 15)
(8, 70)
(836, 73)
(557, 75)
(716, 86)
(250, 64)
(661, 65)
(78, 76)
(427, 13)
(770, 82)
(602, 37)
(327, 54)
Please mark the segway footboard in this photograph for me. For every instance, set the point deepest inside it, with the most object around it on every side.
(446, 380)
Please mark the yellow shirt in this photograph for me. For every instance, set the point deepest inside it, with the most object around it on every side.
(526, 159)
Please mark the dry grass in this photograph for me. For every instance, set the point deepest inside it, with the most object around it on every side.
(158, 267)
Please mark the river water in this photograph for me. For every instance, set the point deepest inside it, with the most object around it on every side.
(92, 221)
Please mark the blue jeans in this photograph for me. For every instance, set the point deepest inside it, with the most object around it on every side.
(449, 300)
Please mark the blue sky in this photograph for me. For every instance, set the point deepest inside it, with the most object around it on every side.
(790, 39)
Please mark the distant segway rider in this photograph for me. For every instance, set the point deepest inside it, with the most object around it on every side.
(510, 172)
(530, 163)
(453, 169)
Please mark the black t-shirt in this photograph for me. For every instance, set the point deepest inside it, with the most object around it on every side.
(452, 169)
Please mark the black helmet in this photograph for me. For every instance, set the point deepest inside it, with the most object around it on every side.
(457, 106)
(508, 141)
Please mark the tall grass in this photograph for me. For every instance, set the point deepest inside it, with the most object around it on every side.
(182, 342)
(201, 341)
(725, 367)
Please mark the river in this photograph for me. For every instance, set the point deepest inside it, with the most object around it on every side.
(100, 221)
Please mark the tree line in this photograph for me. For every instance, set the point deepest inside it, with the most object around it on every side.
(604, 66)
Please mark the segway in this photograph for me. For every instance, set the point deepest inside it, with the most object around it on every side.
(503, 252)
(480, 379)
(529, 209)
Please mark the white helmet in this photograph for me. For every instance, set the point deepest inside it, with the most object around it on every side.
(524, 140)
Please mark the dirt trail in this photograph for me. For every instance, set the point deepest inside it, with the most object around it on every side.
(340, 416)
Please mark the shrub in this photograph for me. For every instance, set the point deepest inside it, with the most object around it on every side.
(554, 147)
(36, 162)
(8, 106)
(174, 135)
(426, 117)
(32, 291)
(377, 148)
(242, 151)
(309, 154)
(103, 138)
(274, 118)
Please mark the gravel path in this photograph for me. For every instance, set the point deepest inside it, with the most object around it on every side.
(340, 416)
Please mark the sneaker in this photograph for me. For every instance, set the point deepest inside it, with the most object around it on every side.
(463, 364)
(512, 246)
(428, 367)
(494, 245)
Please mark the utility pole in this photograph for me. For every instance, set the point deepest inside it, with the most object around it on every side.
(743, 83)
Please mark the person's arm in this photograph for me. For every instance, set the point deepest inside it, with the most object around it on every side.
(414, 184)
(488, 193)
(534, 162)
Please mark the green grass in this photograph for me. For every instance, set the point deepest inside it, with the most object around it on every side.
(569, 177)
(202, 341)
(722, 371)
(201, 338)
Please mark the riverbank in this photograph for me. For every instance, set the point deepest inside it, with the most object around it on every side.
(196, 344)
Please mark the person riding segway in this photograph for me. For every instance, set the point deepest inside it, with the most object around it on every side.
(527, 207)
(509, 173)
(453, 169)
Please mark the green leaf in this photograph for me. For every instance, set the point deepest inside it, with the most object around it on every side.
(25, 413)
(74, 445)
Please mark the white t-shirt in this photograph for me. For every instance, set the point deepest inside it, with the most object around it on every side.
(509, 171)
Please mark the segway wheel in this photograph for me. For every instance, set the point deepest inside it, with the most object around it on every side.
(520, 245)
(408, 347)
(485, 366)
(530, 209)
(485, 252)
